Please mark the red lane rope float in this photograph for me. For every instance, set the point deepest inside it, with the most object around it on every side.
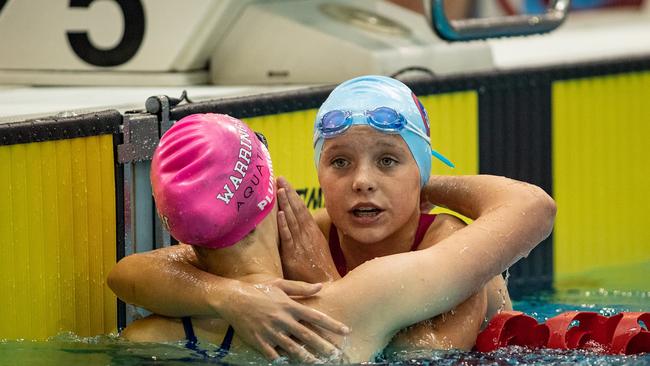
(623, 333)
(629, 337)
(512, 328)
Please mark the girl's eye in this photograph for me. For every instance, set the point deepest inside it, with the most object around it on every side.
(387, 162)
(340, 163)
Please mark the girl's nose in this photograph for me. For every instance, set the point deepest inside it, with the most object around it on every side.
(363, 181)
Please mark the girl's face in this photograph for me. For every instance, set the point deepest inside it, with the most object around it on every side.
(371, 183)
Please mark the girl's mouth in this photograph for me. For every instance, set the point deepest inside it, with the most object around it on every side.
(366, 211)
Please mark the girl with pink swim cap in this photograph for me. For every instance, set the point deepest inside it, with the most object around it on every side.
(497, 212)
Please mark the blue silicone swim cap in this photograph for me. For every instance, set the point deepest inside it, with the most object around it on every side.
(367, 93)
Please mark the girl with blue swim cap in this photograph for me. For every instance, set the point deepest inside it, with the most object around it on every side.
(372, 149)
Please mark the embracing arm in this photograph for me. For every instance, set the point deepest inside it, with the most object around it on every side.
(512, 218)
(475, 195)
(170, 281)
(456, 329)
(155, 279)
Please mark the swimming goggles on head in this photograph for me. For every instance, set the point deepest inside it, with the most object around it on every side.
(384, 119)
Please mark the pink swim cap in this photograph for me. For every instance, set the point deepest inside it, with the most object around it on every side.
(212, 180)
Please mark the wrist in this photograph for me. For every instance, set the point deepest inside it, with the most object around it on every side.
(218, 298)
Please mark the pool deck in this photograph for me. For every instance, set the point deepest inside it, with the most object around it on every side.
(21, 102)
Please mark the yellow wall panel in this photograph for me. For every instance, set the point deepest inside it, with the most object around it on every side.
(51, 226)
(7, 277)
(601, 175)
(36, 241)
(65, 231)
(20, 267)
(80, 235)
(454, 131)
(57, 233)
(108, 231)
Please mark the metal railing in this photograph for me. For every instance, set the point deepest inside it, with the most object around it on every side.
(509, 26)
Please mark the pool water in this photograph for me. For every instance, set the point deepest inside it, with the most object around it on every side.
(68, 349)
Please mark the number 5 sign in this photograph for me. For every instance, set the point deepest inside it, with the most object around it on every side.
(168, 41)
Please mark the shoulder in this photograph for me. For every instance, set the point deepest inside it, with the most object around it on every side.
(180, 252)
(184, 253)
(154, 328)
(443, 226)
(157, 328)
(447, 222)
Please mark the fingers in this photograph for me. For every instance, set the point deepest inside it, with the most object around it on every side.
(288, 211)
(298, 288)
(298, 207)
(292, 199)
(283, 183)
(317, 318)
(313, 340)
(267, 350)
(291, 203)
(286, 239)
(293, 349)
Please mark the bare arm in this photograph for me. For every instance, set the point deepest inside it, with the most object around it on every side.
(456, 329)
(512, 218)
(475, 195)
(459, 193)
(154, 279)
(262, 315)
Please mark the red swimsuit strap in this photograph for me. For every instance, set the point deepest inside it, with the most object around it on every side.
(425, 221)
(337, 254)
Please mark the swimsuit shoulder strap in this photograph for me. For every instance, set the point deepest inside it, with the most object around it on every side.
(423, 225)
(192, 340)
(337, 253)
(225, 344)
(189, 332)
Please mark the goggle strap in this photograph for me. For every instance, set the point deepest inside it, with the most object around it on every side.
(442, 158)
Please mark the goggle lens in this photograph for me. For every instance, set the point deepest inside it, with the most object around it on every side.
(386, 119)
(334, 123)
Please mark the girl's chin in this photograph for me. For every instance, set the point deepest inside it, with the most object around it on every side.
(369, 235)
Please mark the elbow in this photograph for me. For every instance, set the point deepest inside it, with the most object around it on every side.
(112, 280)
(117, 280)
(546, 209)
(538, 210)
(551, 211)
